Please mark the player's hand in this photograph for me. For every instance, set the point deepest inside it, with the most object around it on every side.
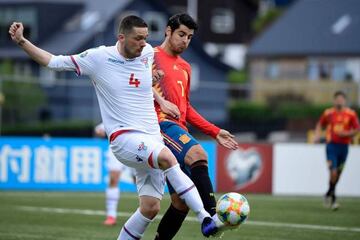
(226, 139)
(316, 139)
(343, 134)
(157, 75)
(16, 32)
(170, 109)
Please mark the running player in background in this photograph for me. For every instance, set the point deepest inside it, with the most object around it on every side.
(341, 125)
(175, 87)
(112, 192)
(122, 78)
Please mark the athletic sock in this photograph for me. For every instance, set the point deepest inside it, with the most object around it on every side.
(112, 198)
(331, 190)
(170, 223)
(186, 190)
(201, 179)
(134, 227)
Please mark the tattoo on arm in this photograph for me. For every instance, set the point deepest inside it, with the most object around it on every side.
(21, 42)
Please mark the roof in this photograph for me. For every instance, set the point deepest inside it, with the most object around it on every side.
(82, 27)
(312, 27)
(98, 14)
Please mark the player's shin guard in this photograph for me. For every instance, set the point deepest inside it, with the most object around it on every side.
(170, 223)
(112, 198)
(186, 190)
(201, 179)
(134, 227)
(331, 190)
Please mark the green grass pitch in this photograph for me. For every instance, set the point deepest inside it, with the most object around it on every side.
(79, 215)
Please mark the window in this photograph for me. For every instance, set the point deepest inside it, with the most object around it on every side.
(47, 77)
(120, 17)
(313, 70)
(222, 21)
(339, 71)
(22, 69)
(332, 69)
(157, 23)
(272, 71)
(195, 77)
(28, 16)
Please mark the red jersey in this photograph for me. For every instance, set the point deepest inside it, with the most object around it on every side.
(337, 121)
(175, 87)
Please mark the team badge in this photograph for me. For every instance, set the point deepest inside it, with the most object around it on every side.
(142, 147)
(184, 138)
(145, 62)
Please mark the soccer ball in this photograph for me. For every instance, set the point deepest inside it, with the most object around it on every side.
(232, 209)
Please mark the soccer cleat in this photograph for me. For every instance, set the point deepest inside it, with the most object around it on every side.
(327, 201)
(110, 221)
(334, 206)
(208, 227)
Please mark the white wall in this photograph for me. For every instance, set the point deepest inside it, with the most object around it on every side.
(301, 169)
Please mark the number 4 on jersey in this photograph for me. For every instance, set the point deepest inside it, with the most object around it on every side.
(134, 81)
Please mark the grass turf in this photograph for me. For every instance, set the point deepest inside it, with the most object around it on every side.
(58, 215)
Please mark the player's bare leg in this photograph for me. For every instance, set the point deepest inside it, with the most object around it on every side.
(112, 196)
(330, 196)
(136, 225)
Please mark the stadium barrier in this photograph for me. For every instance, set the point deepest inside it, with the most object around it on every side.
(66, 164)
(79, 164)
(301, 169)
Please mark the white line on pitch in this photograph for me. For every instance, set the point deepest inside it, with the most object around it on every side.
(192, 219)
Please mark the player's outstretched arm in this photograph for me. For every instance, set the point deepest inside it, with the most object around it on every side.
(39, 55)
(226, 139)
(317, 135)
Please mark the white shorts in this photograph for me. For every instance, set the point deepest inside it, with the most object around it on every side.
(112, 163)
(140, 151)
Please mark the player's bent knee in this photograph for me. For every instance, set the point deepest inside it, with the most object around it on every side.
(196, 154)
(166, 159)
(149, 206)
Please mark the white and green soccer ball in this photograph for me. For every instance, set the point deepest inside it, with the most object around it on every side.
(232, 209)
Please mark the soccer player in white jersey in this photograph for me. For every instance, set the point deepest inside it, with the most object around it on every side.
(122, 77)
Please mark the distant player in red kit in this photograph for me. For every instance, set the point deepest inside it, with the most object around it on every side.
(175, 87)
(341, 125)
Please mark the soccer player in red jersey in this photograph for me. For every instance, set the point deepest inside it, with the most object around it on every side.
(341, 125)
(175, 87)
(123, 82)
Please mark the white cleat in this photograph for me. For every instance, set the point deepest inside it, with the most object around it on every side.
(335, 206)
(327, 201)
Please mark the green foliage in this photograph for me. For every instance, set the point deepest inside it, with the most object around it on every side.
(238, 76)
(248, 110)
(6, 67)
(22, 99)
(261, 22)
(243, 110)
(64, 128)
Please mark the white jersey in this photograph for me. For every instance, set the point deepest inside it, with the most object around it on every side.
(123, 86)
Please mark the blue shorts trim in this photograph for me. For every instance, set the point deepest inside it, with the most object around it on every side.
(179, 142)
(337, 153)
